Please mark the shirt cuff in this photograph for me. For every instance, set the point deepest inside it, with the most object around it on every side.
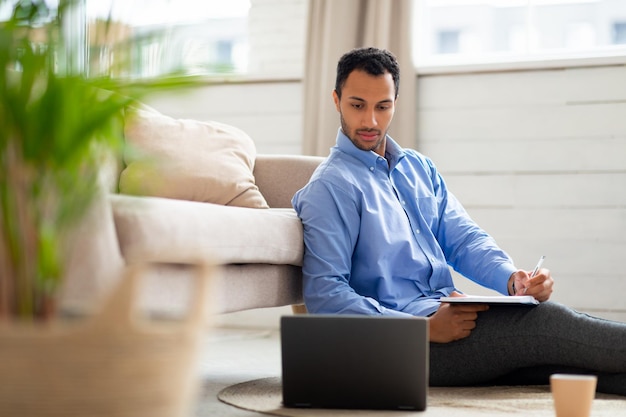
(502, 275)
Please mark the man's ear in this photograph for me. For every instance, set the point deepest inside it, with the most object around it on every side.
(336, 100)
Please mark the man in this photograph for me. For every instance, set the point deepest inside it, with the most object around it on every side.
(381, 229)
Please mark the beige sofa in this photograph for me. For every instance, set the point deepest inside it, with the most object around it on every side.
(258, 250)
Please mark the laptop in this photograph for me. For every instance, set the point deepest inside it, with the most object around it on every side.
(354, 362)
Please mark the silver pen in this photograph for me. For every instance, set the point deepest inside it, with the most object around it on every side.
(538, 266)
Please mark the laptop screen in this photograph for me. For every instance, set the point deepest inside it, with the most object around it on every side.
(358, 362)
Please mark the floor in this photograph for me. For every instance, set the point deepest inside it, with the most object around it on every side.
(241, 348)
(244, 346)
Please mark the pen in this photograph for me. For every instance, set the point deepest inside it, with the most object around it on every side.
(538, 266)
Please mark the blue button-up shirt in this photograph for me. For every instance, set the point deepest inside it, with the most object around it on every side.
(380, 233)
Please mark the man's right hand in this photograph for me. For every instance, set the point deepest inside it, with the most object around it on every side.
(454, 321)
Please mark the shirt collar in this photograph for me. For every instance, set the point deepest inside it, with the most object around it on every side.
(393, 152)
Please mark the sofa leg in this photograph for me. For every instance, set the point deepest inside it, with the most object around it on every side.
(298, 309)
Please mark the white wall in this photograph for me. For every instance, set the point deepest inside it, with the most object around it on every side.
(539, 160)
(270, 112)
(537, 157)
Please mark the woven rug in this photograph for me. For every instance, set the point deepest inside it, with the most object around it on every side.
(265, 396)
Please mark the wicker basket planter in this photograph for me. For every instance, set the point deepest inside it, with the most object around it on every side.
(113, 364)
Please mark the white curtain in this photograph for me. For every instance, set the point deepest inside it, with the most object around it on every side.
(335, 27)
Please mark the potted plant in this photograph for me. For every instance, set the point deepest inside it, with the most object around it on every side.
(56, 122)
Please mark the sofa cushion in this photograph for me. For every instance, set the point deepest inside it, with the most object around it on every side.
(188, 160)
(166, 230)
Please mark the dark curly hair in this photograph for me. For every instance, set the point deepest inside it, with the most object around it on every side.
(373, 61)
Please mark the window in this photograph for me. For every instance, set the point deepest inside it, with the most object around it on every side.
(619, 33)
(242, 38)
(234, 37)
(452, 32)
(6, 8)
(448, 42)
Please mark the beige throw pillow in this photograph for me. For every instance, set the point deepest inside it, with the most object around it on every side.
(188, 160)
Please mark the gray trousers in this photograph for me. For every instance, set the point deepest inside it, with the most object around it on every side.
(516, 345)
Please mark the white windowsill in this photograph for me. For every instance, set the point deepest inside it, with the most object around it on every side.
(539, 63)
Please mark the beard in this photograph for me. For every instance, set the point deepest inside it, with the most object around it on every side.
(352, 134)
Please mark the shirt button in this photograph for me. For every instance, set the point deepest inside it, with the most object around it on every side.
(417, 231)
(403, 202)
(432, 260)
(371, 168)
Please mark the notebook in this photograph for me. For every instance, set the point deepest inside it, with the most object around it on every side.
(493, 299)
(354, 362)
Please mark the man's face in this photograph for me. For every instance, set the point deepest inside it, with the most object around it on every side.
(366, 107)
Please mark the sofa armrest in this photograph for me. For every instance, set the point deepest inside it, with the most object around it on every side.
(280, 176)
(92, 259)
